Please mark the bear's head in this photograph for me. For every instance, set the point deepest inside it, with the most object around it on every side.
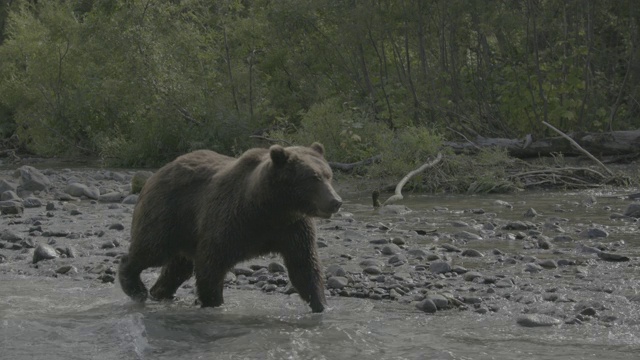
(303, 177)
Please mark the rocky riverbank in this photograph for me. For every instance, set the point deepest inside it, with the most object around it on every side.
(546, 269)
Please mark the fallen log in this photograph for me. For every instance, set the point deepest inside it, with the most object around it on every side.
(599, 144)
(346, 167)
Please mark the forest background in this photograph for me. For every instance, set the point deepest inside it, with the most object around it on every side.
(138, 82)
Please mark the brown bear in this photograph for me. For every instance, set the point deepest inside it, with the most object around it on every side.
(205, 212)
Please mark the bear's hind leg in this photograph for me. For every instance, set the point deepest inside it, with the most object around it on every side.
(178, 270)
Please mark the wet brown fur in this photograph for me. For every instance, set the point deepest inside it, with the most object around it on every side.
(205, 212)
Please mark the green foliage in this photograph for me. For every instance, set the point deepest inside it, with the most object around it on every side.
(481, 173)
(405, 150)
(140, 82)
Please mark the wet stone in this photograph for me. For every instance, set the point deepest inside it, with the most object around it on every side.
(530, 213)
(440, 267)
(44, 252)
(276, 267)
(451, 248)
(548, 264)
(440, 301)
(427, 306)
(116, 226)
(537, 320)
(391, 249)
(31, 202)
(594, 233)
(467, 236)
(608, 256)
(337, 282)
(471, 275)
(372, 270)
(11, 207)
(472, 253)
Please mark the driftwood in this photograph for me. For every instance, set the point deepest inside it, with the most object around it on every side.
(346, 167)
(580, 148)
(398, 194)
(599, 144)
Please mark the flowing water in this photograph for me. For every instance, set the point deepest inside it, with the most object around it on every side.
(59, 318)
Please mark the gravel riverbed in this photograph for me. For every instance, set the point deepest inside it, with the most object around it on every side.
(546, 268)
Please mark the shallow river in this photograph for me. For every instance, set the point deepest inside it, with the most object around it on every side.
(46, 318)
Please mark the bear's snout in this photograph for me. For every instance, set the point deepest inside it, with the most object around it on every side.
(335, 204)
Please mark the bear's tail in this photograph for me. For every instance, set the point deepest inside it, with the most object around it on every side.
(130, 281)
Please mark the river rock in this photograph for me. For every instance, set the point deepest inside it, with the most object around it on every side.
(451, 248)
(130, 199)
(391, 249)
(10, 236)
(503, 203)
(427, 306)
(76, 189)
(67, 269)
(536, 320)
(518, 226)
(372, 270)
(532, 267)
(593, 233)
(31, 202)
(334, 270)
(608, 256)
(11, 207)
(530, 213)
(394, 210)
(31, 179)
(44, 252)
(138, 180)
(113, 196)
(548, 264)
(440, 267)
(7, 186)
(472, 253)
(337, 282)
(633, 210)
(276, 267)
(9, 195)
(467, 236)
(471, 275)
(371, 262)
(440, 301)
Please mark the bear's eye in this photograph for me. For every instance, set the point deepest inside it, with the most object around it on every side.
(314, 177)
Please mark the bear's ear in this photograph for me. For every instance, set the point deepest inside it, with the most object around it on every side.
(279, 155)
(318, 148)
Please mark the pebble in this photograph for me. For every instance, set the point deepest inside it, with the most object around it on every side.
(537, 320)
(530, 213)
